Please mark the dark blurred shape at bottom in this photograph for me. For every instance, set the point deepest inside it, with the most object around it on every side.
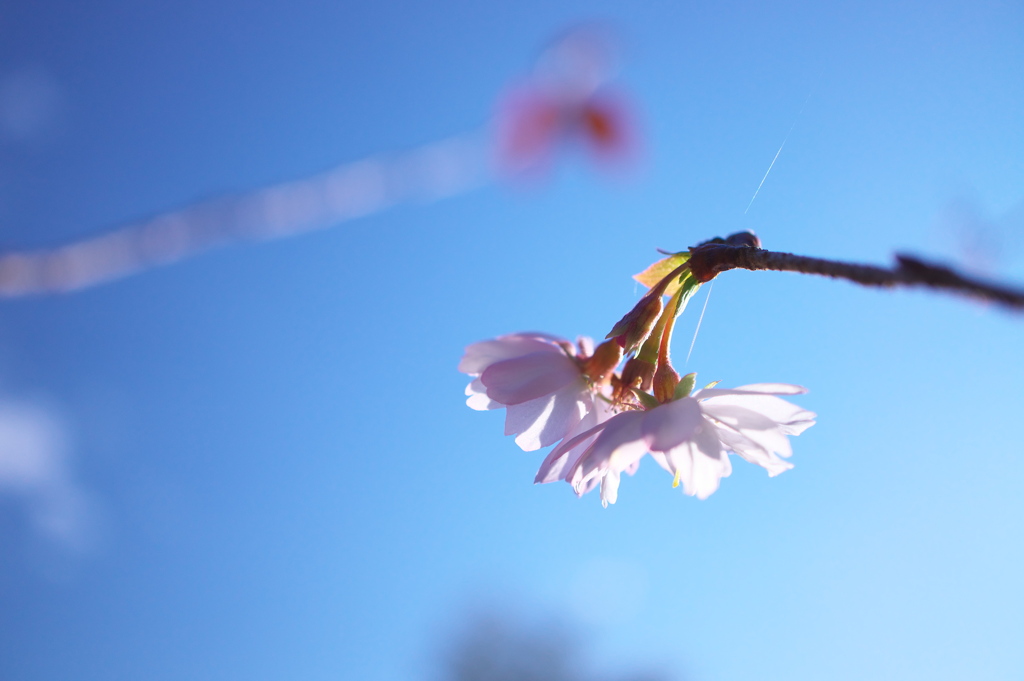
(496, 647)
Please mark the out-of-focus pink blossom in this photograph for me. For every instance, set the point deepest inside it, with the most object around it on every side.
(690, 437)
(533, 122)
(565, 101)
(539, 380)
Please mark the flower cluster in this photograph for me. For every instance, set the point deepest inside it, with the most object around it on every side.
(605, 418)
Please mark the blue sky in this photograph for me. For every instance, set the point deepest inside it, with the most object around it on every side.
(258, 463)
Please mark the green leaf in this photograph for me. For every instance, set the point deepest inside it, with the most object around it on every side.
(685, 386)
(649, 401)
(685, 289)
(661, 269)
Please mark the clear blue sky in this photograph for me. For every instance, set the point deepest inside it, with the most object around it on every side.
(269, 471)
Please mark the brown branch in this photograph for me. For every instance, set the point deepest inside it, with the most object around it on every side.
(709, 259)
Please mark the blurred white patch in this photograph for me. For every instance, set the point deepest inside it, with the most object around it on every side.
(30, 105)
(34, 469)
(607, 590)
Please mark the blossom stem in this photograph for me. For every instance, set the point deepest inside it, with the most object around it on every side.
(650, 350)
(666, 336)
(708, 260)
(665, 377)
(671, 312)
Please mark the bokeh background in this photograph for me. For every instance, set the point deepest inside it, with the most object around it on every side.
(257, 463)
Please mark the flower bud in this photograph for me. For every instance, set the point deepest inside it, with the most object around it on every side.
(633, 329)
(601, 365)
(637, 373)
(665, 381)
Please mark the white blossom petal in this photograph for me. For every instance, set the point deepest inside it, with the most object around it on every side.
(583, 486)
(479, 356)
(617, 447)
(478, 398)
(699, 463)
(708, 472)
(753, 425)
(546, 420)
(737, 442)
(584, 439)
(520, 379)
(563, 457)
(752, 389)
(779, 410)
(773, 388)
(609, 488)
(672, 424)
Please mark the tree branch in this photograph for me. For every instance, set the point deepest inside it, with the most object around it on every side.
(709, 259)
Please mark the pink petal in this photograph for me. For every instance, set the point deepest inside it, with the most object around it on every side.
(753, 389)
(617, 447)
(671, 424)
(775, 408)
(751, 451)
(559, 414)
(478, 399)
(757, 427)
(581, 487)
(564, 456)
(516, 380)
(609, 488)
(700, 463)
(479, 356)
(708, 471)
(774, 388)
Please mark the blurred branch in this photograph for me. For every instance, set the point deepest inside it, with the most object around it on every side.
(434, 171)
(709, 259)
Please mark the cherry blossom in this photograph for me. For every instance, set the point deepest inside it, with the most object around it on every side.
(532, 121)
(539, 379)
(691, 437)
(566, 99)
